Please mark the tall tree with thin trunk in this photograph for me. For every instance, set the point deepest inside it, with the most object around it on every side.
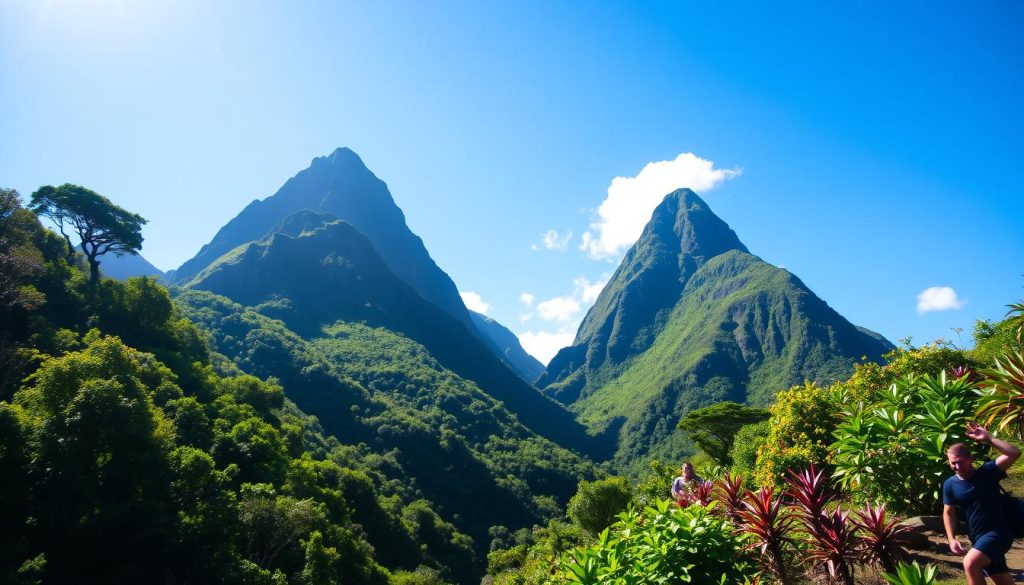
(100, 225)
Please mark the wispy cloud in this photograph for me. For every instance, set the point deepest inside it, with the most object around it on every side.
(552, 240)
(938, 298)
(474, 302)
(623, 214)
(559, 309)
(564, 313)
(527, 299)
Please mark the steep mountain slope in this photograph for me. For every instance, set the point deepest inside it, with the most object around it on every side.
(521, 362)
(430, 433)
(691, 318)
(313, 271)
(340, 185)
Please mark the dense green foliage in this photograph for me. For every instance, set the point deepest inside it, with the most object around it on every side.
(447, 440)
(664, 543)
(892, 448)
(597, 503)
(132, 453)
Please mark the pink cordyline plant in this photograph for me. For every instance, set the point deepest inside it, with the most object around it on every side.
(836, 545)
(704, 492)
(764, 518)
(730, 495)
(881, 539)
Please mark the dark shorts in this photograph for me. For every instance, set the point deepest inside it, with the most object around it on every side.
(995, 546)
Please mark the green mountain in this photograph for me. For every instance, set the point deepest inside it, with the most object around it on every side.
(313, 271)
(523, 363)
(691, 318)
(340, 185)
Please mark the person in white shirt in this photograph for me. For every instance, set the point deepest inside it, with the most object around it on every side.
(685, 483)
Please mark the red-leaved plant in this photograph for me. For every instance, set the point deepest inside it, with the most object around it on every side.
(836, 545)
(704, 492)
(880, 539)
(771, 526)
(832, 538)
(730, 495)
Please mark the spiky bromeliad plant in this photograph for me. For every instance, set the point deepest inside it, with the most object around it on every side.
(730, 494)
(771, 526)
(831, 536)
(880, 538)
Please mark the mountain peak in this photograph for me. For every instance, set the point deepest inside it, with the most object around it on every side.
(683, 217)
(342, 156)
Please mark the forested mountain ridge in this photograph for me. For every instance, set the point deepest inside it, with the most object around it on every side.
(528, 367)
(340, 185)
(691, 318)
(317, 271)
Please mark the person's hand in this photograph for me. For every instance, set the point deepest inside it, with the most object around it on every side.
(955, 547)
(978, 433)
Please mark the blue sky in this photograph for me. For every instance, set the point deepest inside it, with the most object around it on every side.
(874, 150)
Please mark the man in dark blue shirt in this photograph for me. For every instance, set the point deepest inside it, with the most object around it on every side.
(976, 492)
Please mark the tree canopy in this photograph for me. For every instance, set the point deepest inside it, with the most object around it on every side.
(713, 428)
(100, 225)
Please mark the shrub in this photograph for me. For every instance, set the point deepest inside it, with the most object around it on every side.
(894, 451)
(662, 544)
(597, 503)
(799, 434)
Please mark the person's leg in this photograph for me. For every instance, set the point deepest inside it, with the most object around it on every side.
(975, 562)
(1002, 579)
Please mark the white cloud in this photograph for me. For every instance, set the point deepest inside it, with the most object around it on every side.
(559, 309)
(543, 345)
(474, 302)
(565, 311)
(588, 291)
(938, 298)
(622, 216)
(552, 240)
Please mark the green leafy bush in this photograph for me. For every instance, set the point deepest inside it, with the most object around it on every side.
(662, 544)
(894, 449)
(801, 425)
(597, 503)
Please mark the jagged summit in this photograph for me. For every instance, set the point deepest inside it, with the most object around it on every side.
(682, 235)
(340, 185)
(691, 318)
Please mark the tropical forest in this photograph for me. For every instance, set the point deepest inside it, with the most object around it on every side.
(309, 401)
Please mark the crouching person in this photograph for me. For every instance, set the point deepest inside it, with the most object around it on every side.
(976, 492)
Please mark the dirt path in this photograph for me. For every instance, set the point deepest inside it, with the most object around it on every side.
(950, 567)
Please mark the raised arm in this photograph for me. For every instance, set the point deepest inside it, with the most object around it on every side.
(1007, 452)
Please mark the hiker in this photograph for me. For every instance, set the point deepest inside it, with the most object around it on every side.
(976, 492)
(684, 484)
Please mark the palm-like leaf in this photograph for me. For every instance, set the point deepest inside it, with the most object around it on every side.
(1002, 394)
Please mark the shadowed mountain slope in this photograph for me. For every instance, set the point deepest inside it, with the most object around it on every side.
(691, 318)
(314, 271)
(340, 185)
(521, 362)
